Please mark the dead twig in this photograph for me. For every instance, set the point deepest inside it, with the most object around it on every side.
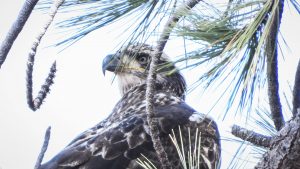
(251, 136)
(36, 103)
(45, 89)
(44, 148)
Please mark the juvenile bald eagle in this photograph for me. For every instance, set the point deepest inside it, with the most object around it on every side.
(117, 141)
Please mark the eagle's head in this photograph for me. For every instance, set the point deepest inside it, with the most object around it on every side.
(131, 66)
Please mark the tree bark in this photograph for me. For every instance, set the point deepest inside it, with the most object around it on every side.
(272, 67)
(251, 136)
(296, 91)
(37, 102)
(284, 151)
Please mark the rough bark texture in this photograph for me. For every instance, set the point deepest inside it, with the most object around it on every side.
(284, 151)
(154, 132)
(250, 136)
(272, 68)
(36, 103)
(296, 91)
(16, 28)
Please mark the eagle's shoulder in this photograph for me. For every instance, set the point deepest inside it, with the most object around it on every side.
(124, 135)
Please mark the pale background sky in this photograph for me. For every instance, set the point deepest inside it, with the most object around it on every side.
(81, 96)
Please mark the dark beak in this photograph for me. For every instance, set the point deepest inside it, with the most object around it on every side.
(110, 63)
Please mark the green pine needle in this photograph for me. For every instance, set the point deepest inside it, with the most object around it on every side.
(234, 43)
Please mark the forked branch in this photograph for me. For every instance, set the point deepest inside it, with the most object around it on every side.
(34, 104)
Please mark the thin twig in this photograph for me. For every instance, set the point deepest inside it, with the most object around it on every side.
(272, 68)
(36, 103)
(296, 91)
(44, 148)
(250, 136)
(45, 89)
(16, 28)
(29, 71)
(154, 132)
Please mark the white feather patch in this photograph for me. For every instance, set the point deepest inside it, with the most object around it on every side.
(197, 117)
(206, 161)
(127, 81)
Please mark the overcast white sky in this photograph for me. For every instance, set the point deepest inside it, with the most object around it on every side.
(81, 96)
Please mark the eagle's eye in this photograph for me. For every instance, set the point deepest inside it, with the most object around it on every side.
(142, 59)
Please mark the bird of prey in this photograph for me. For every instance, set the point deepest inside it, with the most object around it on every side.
(117, 141)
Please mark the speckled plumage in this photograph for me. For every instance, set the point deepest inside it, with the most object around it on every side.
(123, 136)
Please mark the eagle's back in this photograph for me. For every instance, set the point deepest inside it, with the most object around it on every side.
(117, 141)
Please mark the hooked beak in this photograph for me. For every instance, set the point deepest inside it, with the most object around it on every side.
(110, 63)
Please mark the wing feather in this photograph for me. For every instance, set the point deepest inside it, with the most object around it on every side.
(116, 143)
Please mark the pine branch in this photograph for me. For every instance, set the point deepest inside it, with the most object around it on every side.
(296, 91)
(44, 148)
(272, 68)
(251, 136)
(16, 28)
(36, 103)
(228, 9)
(154, 132)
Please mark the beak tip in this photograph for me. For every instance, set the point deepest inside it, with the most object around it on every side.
(107, 63)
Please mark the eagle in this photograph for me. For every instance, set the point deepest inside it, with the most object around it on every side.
(123, 137)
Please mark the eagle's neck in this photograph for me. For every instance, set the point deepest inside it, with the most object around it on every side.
(173, 83)
(127, 82)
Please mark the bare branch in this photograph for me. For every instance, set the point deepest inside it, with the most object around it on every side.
(16, 28)
(45, 89)
(36, 103)
(44, 148)
(29, 71)
(250, 136)
(296, 91)
(272, 68)
(154, 132)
